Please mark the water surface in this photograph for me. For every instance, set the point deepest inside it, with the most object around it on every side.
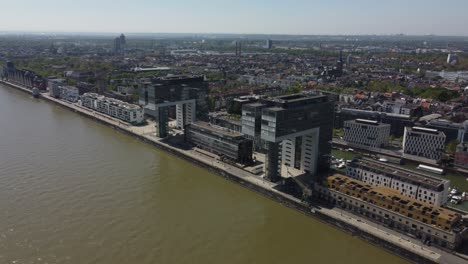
(75, 191)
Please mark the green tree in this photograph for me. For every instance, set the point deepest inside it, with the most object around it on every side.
(452, 146)
(338, 132)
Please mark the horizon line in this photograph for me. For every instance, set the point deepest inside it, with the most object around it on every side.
(224, 33)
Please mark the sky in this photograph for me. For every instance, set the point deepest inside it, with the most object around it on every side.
(308, 17)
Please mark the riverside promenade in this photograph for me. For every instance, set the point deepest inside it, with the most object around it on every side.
(408, 248)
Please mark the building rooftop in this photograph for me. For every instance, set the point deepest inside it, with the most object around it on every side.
(367, 122)
(292, 101)
(226, 117)
(254, 105)
(217, 129)
(430, 117)
(424, 130)
(393, 197)
(442, 123)
(374, 113)
(285, 99)
(407, 175)
(112, 101)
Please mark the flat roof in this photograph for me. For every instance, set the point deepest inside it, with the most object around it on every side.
(217, 129)
(113, 101)
(295, 98)
(424, 130)
(257, 104)
(395, 196)
(367, 122)
(409, 176)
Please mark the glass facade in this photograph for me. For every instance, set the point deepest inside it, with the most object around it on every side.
(175, 89)
(306, 121)
(223, 142)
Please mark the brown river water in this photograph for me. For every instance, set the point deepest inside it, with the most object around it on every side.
(75, 191)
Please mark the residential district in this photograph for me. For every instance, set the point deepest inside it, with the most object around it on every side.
(376, 127)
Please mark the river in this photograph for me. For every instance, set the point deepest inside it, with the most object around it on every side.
(75, 191)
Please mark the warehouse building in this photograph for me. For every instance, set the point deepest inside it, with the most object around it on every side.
(429, 223)
(412, 184)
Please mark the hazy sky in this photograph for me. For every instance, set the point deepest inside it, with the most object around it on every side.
(441, 17)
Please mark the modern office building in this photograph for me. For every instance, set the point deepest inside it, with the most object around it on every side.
(252, 123)
(297, 131)
(225, 120)
(452, 130)
(85, 87)
(424, 142)
(440, 226)
(54, 86)
(188, 94)
(221, 141)
(397, 122)
(69, 93)
(124, 111)
(412, 184)
(366, 133)
(269, 44)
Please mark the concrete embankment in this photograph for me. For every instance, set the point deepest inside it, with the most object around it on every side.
(255, 184)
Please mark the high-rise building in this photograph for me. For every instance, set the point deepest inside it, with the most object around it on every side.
(252, 123)
(238, 48)
(187, 93)
(296, 130)
(269, 44)
(452, 59)
(119, 44)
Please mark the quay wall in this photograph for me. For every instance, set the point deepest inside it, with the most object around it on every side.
(282, 198)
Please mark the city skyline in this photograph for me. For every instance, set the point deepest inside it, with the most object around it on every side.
(337, 17)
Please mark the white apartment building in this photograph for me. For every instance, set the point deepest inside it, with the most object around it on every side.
(412, 184)
(424, 142)
(368, 133)
(127, 112)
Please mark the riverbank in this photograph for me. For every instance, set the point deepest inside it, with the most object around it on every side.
(365, 231)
